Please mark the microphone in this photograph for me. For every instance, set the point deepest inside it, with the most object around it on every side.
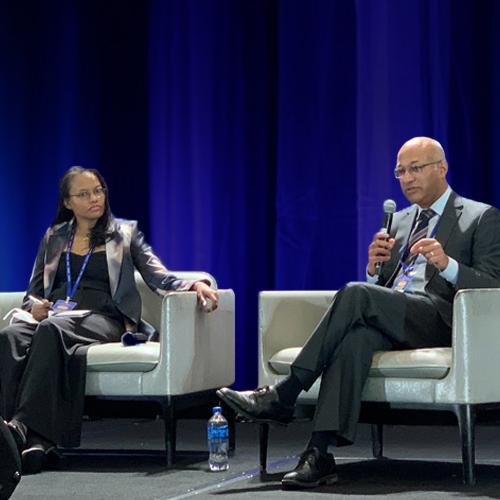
(389, 209)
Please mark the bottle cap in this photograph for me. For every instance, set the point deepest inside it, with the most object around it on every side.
(216, 409)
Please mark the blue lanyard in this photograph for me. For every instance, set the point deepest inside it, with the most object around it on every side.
(69, 289)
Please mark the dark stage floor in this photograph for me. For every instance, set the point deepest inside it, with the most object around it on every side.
(423, 462)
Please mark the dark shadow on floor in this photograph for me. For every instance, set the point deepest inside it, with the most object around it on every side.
(135, 461)
(388, 477)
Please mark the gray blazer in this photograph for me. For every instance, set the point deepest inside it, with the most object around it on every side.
(469, 232)
(125, 252)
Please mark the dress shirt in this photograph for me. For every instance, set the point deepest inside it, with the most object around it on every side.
(450, 273)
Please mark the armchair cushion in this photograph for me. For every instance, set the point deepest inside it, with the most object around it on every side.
(431, 363)
(115, 357)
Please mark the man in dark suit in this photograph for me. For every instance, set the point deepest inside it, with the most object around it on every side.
(440, 244)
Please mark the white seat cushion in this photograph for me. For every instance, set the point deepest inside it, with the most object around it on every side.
(431, 363)
(115, 357)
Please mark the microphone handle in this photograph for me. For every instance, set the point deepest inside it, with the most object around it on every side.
(386, 227)
(387, 222)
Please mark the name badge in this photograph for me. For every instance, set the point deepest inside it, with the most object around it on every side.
(402, 282)
(63, 305)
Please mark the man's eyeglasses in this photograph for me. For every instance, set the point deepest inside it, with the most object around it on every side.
(413, 169)
(85, 195)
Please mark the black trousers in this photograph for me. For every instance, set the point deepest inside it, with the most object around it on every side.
(362, 319)
(43, 370)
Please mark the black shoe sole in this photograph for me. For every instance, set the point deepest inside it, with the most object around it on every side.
(248, 416)
(293, 484)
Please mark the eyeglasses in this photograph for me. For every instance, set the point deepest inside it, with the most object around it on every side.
(413, 169)
(98, 192)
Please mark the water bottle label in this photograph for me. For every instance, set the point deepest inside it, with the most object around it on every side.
(218, 432)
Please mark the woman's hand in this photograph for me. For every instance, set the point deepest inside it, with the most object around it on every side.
(208, 298)
(40, 309)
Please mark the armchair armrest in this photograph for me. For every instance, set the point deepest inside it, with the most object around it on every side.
(196, 348)
(287, 319)
(475, 370)
(9, 300)
(151, 301)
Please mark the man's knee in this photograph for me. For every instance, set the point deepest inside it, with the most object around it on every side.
(360, 287)
(361, 293)
(356, 291)
(353, 286)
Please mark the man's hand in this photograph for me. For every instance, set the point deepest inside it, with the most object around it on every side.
(208, 298)
(432, 250)
(379, 251)
(40, 309)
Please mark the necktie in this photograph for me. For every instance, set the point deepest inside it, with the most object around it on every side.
(419, 232)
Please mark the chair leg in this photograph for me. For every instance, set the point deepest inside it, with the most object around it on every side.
(230, 415)
(170, 430)
(377, 440)
(232, 433)
(466, 417)
(263, 444)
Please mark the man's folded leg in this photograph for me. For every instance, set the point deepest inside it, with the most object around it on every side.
(353, 305)
(269, 403)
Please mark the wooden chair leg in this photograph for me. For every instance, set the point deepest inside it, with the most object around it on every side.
(263, 444)
(377, 440)
(466, 417)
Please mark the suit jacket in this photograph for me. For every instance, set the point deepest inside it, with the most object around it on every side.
(125, 252)
(469, 232)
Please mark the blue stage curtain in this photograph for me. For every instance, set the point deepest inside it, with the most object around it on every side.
(73, 91)
(254, 139)
(274, 129)
(212, 148)
(403, 57)
(316, 203)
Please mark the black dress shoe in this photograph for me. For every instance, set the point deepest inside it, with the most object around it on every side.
(261, 405)
(312, 470)
(36, 455)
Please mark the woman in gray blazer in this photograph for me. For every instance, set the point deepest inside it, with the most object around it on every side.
(84, 272)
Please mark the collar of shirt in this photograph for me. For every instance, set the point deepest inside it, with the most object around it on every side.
(439, 204)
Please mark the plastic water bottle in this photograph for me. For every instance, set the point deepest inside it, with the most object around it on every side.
(218, 439)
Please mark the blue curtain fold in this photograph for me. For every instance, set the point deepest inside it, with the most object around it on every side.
(212, 148)
(403, 57)
(316, 174)
(252, 139)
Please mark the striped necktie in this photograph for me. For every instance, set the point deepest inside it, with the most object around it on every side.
(419, 232)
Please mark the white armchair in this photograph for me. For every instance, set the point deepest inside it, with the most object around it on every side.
(462, 379)
(193, 357)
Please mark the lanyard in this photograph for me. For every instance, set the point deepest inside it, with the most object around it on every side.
(70, 290)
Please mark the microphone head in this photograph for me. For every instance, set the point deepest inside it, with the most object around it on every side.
(389, 206)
